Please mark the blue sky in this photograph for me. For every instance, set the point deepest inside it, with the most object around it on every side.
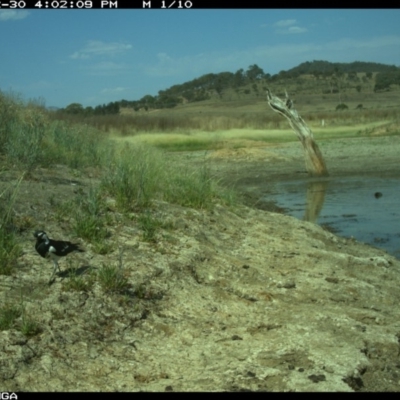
(94, 57)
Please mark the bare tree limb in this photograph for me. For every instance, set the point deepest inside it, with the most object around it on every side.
(315, 164)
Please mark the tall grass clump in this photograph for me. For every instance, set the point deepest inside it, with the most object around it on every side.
(112, 279)
(74, 145)
(8, 314)
(9, 248)
(9, 114)
(134, 176)
(30, 138)
(195, 188)
(24, 140)
(149, 225)
(140, 173)
(22, 130)
(89, 216)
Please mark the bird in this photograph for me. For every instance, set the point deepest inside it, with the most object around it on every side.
(53, 249)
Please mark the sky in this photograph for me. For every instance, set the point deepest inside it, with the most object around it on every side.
(94, 57)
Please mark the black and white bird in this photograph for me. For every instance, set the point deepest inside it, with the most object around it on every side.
(53, 249)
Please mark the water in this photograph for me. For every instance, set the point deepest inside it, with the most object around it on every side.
(365, 208)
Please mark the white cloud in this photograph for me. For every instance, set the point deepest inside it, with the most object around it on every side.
(96, 48)
(296, 29)
(291, 30)
(286, 26)
(285, 22)
(12, 15)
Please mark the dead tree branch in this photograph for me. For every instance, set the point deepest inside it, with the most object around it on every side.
(315, 164)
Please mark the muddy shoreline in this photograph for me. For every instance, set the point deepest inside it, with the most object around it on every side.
(344, 157)
(250, 171)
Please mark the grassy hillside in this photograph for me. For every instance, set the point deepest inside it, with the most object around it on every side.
(348, 81)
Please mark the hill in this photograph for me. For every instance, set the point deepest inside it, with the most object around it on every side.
(308, 78)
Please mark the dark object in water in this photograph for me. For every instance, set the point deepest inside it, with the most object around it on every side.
(377, 195)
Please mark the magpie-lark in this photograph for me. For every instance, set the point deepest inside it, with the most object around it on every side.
(53, 249)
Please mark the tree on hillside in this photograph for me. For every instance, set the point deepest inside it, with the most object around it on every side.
(147, 101)
(267, 76)
(254, 72)
(352, 75)
(88, 111)
(74, 108)
(282, 75)
(239, 78)
(383, 80)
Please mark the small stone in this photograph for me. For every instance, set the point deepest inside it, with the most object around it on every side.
(317, 378)
(332, 280)
(287, 285)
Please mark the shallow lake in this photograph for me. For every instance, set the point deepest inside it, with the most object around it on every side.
(367, 209)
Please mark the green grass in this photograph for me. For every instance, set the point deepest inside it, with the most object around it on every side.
(238, 138)
(24, 140)
(76, 146)
(30, 137)
(29, 327)
(9, 253)
(9, 246)
(89, 227)
(8, 314)
(192, 188)
(149, 226)
(103, 247)
(87, 215)
(198, 140)
(112, 279)
(77, 282)
(135, 176)
(187, 145)
(142, 174)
